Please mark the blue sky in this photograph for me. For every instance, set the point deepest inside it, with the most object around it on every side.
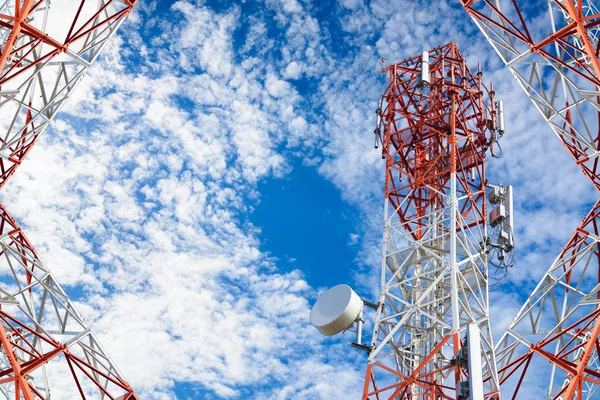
(306, 225)
(215, 171)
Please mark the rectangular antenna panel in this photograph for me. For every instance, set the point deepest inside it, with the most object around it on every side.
(497, 215)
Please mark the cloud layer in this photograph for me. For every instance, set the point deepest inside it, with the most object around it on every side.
(136, 196)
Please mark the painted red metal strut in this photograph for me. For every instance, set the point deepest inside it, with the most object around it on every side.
(43, 340)
(435, 132)
(552, 346)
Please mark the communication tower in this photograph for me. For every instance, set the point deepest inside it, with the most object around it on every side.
(551, 349)
(432, 337)
(46, 348)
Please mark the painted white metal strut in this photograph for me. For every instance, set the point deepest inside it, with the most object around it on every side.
(453, 223)
(561, 79)
(434, 277)
(54, 46)
(427, 293)
(420, 287)
(475, 372)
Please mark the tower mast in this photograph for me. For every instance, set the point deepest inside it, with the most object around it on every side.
(46, 348)
(437, 120)
(551, 348)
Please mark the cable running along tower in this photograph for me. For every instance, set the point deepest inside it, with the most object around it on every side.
(551, 349)
(437, 121)
(46, 349)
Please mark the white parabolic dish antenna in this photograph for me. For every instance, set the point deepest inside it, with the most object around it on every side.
(336, 310)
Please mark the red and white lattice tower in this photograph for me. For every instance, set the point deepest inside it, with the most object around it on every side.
(435, 130)
(551, 348)
(46, 348)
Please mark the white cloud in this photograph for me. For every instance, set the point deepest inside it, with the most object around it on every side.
(139, 209)
(293, 70)
(137, 195)
(351, 4)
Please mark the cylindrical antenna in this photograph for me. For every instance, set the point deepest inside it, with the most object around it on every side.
(359, 326)
(425, 77)
(500, 117)
(378, 127)
(378, 112)
(494, 112)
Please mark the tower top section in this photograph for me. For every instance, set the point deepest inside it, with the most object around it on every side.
(418, 98)
(435, 118)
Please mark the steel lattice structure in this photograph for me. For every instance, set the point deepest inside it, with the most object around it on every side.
(45, 346)
(551, 348)
(434, 280)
